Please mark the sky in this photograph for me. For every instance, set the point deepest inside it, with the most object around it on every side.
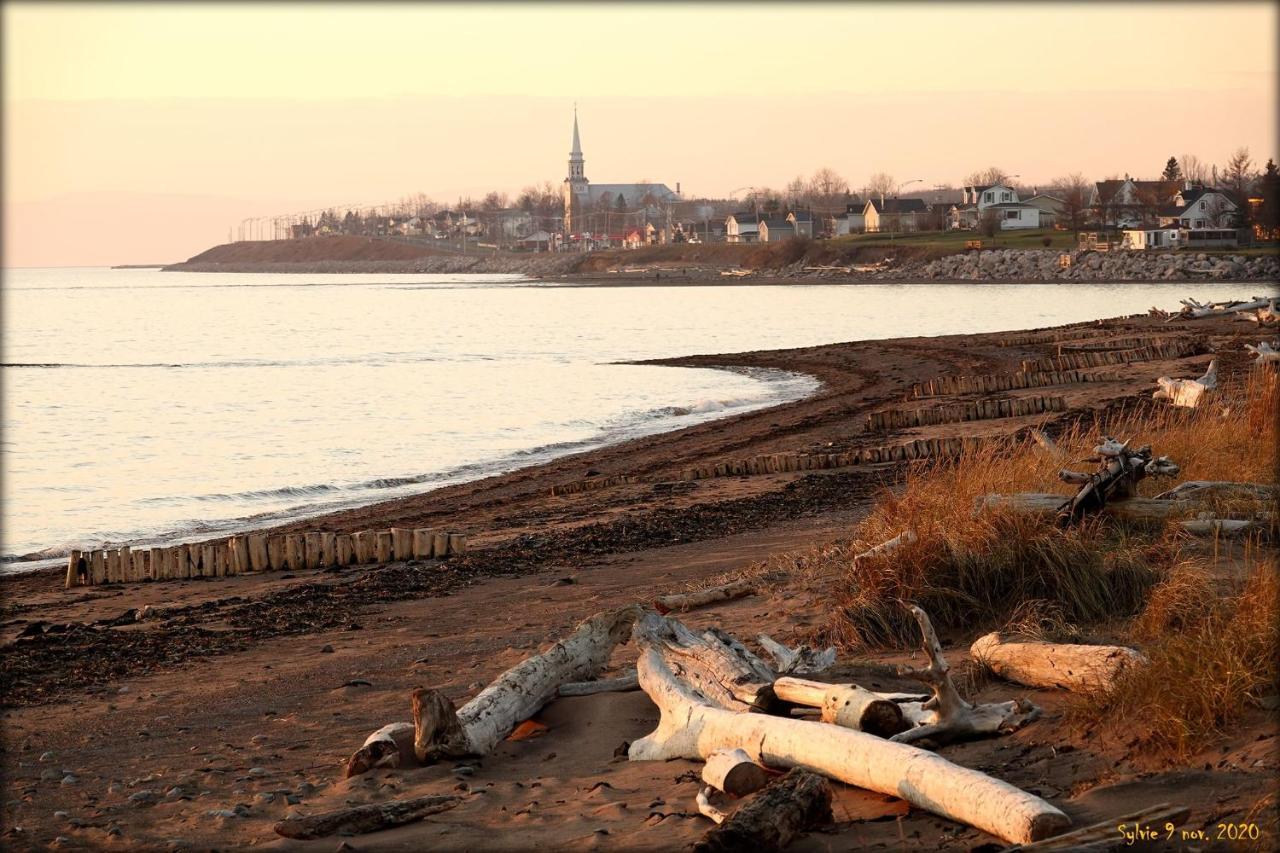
(145, 133)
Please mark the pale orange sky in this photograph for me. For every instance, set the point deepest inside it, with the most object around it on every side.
(142, 133)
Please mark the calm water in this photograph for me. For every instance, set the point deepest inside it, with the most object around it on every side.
(141, 405)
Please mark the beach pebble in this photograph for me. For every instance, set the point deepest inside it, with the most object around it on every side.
(258, 771)
(326, 649)
(175, 793)
(292, 799)
(46, 756)
(61, 841)
(69, 779)
(306, 789)
(258, 739)
(124, 689)
(147, 797)
(222, 813)
(50, 775)
(265, 797)
(115, 788)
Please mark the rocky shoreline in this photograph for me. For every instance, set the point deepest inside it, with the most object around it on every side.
(995, 265)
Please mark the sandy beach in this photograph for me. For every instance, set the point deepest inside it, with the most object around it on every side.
(238, 700)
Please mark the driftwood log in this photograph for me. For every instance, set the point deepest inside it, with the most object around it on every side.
(846, 705)
(772, 819)
(366, 818)
(733, 771)
(627, 681)
(1120, 470)
(679, 602)
(948, 716)
(1264, 353)
(906, 537)
(1187, 393)
(1197, 489)
(697, 718)
(1107, 834)
(800, 661)
(390, 746)
(1055, 665)
(517, 694)
(474, 729)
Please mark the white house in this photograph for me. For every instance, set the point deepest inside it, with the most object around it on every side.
(742, 228)
(855, 220)
(1142, 239)
(1198, 208)
(997, 200)
(802, 222)
(1126, 202)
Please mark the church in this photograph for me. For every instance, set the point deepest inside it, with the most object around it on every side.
(605, 208)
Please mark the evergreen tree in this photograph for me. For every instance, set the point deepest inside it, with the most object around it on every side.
(1269, 216)
(1172, 171)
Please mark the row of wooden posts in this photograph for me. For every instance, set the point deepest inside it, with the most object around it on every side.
(777, 463)
(591, 484)
(1051, 336)
(975, 410)
(1093, 344)
(992, 382)
(1076, 360)
(259, 552)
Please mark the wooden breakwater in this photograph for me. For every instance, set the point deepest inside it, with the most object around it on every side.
(1105, 358)
(591, 484)
(975, 410)
(259, 552)
(994, 382)
(781, 463)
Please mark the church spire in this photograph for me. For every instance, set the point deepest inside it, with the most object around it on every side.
(577, 171)
(577, 146)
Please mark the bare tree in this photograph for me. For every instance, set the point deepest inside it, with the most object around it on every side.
(987, 177)
(827, 190)
(1193, 168)
(1238, 178)
(1074, 190)
(879, 184)
(797, 192)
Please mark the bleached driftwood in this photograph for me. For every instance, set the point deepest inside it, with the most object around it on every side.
(800, 660)
(1188, 393)
(517, 694)
(1067, 666)
(1223, 527)
(906, 537)
(680, 602)
(694, 723)
(627, 681)
(733, 771)
(1264, 353)
(1048, 444)
(1074, 477)
(772, 819)
(1120, 470)
(707, 809)
(390, 746)
(947, 716)
(846, 705)
(1048, 504)
(1195, 310)
(367, 818)
(1196, 489)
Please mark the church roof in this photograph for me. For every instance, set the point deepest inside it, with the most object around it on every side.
(577, 146)
(631, 193)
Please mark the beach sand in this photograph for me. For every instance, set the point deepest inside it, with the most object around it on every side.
(255, 689)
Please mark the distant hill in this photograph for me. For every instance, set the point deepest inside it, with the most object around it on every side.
(311, 249)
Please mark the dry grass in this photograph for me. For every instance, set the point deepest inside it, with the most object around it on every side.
(978, 571)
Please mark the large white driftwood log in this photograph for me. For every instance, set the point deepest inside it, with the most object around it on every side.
(733, 771)
(1264, 353)
(799, 661)
(517, 694)
(680, 602)
(1188, 393)
(846, 705)
(1224, 527)
(1066, 666)
(390, 746)
(694, 725)
(947, 716)
(1048, 504)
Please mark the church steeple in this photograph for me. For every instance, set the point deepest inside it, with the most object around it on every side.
(576, 162)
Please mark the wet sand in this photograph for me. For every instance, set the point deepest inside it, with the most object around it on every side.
(253, 690)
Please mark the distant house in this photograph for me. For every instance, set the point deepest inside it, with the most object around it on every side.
(894, 214)
(538, 241)
(801, 223)
(742, 228)
(999, 201)
(855, 220)
(1129, 203)
(514, 223)
(1199, 208)
(775, 229)
(1050, 206)
(1143, 239)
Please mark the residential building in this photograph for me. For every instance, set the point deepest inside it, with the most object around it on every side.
(775, 229)
(1129, 203)
(999, 201)
(855, 220)
(1198, 208)
(1050, 207)
(742, 228)
(801, 223)
(894, 214)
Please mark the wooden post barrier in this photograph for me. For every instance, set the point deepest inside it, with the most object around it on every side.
(294, 552)
(275, 553)
(259, 561)
(126, 564)
(97, 567)
(457, 543)
(363, 542)
(180, 561)
(113, 565)
(328, 549)
(439, 544)
(208, 561)
(344, 549)
(139, 566)
(382, 546)
(422, 537)
(311, 550)
(74, 571)
(402, 543)
(155, 560)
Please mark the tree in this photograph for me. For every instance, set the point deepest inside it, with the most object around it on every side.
(987, 177)
(827, 190)
(1073, 189)
(880, 184)
(1238, 179)
(797, 192)
(1268, 224)
(1193, 169)
(1172, 171)
(494, 201)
